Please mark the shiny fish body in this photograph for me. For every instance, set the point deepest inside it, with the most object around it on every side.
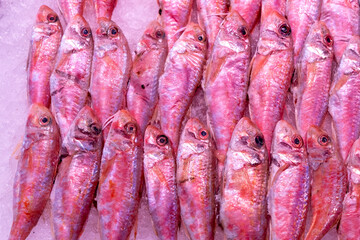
(329, 183)
(243, 210)
(301, 15)
(182, 75)
(344, 98)
(148, 65)
(175, 14)
(350, 218)
(226, 81)
(36, 170)
(249, 10)
(196, 180)
(160, 180)
(269, 6)
(110, 70)
(45, 41)
(342, 17)
(71, 8)
(104, 8)
(120, 177)
(270, 76)
(289, 183)
(311, 95)
(70, 79)
(78, 175)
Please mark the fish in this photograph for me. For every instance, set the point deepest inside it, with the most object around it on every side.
(271, 70)
(344, 98)
(243, 206)
(301, 16)
(269, 6)
(289, 183)
(226, 81)
(313, 77)
(181, 77)
(328, 185)
(211, 13)
(249, 10)
(45, 42)
(160, 180)
(36, 170)
(148, 65)
(341, 28)
(71, 8)
(78, 175)
(350, 218)
(104, 8)
(196, 180)
(174, 15)
(70, 79)
(110, 71)
(121, 176)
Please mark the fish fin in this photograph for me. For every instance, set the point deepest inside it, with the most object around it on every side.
(108, 121)
(277, 174)
(155, 119)
(185, 230)
(312, 226)
(136, 227)
(16, 154)
(341, 82)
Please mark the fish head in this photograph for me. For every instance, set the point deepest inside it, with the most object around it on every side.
(47, 21)
(248, 140)
(40, 123)
(77, 36)
(156, 143)
(108, 36)
(353, 162)
(193, 40)
(287, 145)
(196, 135)
(319, 146)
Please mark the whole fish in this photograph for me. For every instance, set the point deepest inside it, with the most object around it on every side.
(211, 13)
(36, 170)
(160, 180)
(350, 218)
(344, 97)
(249, 10)
(120, 177)
(342, 17)
(71, 8)
(45, 41)
(243, 209)
(182, 75)
(70, 79)
(329, 183)
(196, 180)
(301, 15)
(104, 8)
(110, 70)
(289, 183)
(148, 65)
(226, 81)
(311, 94)
(78, 175)
(270, 74)
(174, 15)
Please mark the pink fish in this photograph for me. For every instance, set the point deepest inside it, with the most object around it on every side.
(160, 179)
(269, 6)
(45, 41)
(78, 175)
(104, 8)
(71, 8)
(36, 170)
(249, 10)
(148, 65)
(70, 79)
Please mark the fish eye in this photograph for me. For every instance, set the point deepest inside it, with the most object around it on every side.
(159, 34)
(243, 31)
(324, 140)
(160, 11)
(203, 134)
(285, 29)
(44, 120)
(328, 40)
(201, 38)
(95, 129)
(297, 141)
(162, 140)
(259, 140)
(130, 128)
(85, 32)
(113, 31)
(52, 18)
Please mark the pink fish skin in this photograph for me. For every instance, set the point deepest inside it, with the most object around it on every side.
(196, 180)
(313, 74)
(78, 175)
(270, 76)
(342, 17)
(120, 177)
(36, 170)
(71, 8)
(301, 15)
(160, 180)
(269, 6)
(70, 79)
(182, 75)
(174, 15)
(211, 13)
(148, 66)
(249, 10)
(45, 41)
(110, 70)
(289, 183)
(344, 98)
(350, 218)
(104, 8)
(329, 183)
(243, 206)
(226, 81)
